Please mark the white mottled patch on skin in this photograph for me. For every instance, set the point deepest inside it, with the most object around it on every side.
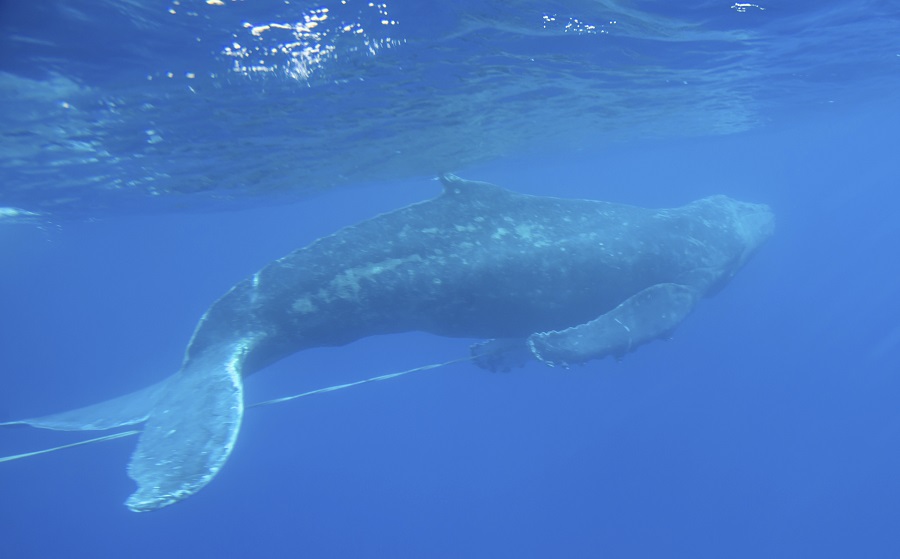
(499, 233)
(535, 234)
(523, 230)
(304, 305)
(348, 284)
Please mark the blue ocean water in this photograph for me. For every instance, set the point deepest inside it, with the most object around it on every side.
(148, 164)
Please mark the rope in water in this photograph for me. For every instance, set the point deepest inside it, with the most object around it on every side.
(71, 445)
(364, 381)
(256, 405)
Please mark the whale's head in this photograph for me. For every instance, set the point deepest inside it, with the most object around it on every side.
(729, 232)
(752, 225)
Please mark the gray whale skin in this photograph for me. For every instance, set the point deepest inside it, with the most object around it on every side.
(557, 280)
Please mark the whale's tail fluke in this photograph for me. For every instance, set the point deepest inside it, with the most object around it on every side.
(129, 409)
(191, 424)
(191, 430)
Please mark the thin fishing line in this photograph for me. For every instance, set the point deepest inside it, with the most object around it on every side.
(364, 381)
(71, 445)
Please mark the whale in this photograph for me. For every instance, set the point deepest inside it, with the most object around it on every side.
(535, 278)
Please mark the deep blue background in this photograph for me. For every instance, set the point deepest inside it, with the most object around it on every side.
(768, 427)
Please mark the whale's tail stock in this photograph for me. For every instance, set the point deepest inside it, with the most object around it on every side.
(191, 421)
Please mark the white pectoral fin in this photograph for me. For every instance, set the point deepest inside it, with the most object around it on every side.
(649, 314)
(191, 429)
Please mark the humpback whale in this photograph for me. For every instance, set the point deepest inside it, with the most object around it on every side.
(559, 281)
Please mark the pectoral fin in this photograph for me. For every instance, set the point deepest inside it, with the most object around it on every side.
(643, 317)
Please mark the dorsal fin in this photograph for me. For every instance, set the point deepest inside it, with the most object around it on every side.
(449, 180)
(456, 186)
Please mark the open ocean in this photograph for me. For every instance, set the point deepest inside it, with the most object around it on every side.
(154, 153)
